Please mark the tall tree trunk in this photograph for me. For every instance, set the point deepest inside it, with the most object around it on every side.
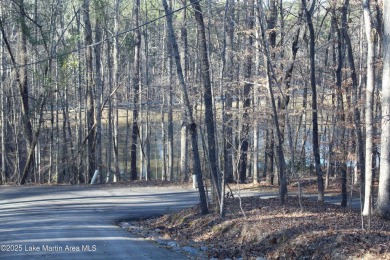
(3, 111)
(383, 203)
(99, 99)
(270, 77)
(136, 92)
(163, 142)
(190, 120)
(22, 82)
(332, 132)
(244, 143)
(147, 87)
(369, 108)
(111, 117)
(356, 112)
(208, 100)
(115, 82)
(170, 112)
(341, 121)
(89, 94)
(126, 146)
(184, 129)
(228, 100)
(79, 177)
(316, 145)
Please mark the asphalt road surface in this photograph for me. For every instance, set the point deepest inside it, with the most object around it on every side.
(78, 222)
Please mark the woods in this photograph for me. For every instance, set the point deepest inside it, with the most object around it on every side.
(227, 91)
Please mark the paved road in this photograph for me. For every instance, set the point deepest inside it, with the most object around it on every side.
(328, 198)
(73, 222)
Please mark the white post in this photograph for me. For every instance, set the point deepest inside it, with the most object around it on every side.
(194, 183)
(94, 178)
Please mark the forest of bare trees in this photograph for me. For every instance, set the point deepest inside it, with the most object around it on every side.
(227, 91)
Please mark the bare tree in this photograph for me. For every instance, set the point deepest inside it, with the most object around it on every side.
(89, 93)
(190, 120)
(22, 82)
(248, 85)
(383, 207)
(316, 149)
(271, 77)
(99, 92)
(208, 101)
(228, 91)
(136, 92)
(338, 58)
(355, 96)
(3, 175)
(369, 107)
(170, 109)
(184, 129)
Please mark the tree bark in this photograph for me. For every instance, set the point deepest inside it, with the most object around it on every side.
(369, 108)
(184, 129)
(243, 161)
(99, 99)
(228, 94)
(170, 114)
(208, 100)
(136, 92)
(356, 112)
(89, 94)
(313, 84)
(383, 203)
(22, 81)
(341, 121)
(270, 76)
(190, 120)
(114, 84)
(3, 111)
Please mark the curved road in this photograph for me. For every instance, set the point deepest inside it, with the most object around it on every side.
(78, 222)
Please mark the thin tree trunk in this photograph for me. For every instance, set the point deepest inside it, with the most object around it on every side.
(190, 120)
(163, 142)
(126, 146)
(369, 108)
(22, 82)
(334, 106)
(244, 142)
(170, 115)
(356, 112)
(115, 83)
(316, 145)
(341, 121)
(281, 160)
(255, 172)
(209, 113)
(89, 94)
(147, 119)
(99, 99)
(228, 100)
(184, 129)
(79, 176)
(136, 92)
(111, 118)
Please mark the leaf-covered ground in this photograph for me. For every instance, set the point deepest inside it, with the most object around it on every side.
(264, 228)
